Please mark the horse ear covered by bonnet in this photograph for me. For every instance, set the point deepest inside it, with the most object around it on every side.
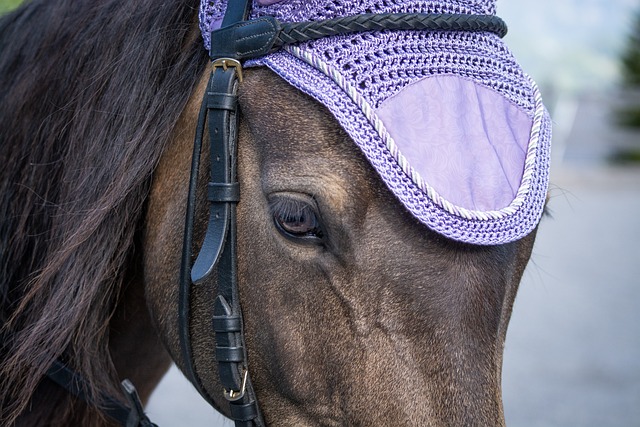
(453, 125)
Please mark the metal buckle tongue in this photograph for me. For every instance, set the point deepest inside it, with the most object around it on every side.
(233, 395)
(225, 63)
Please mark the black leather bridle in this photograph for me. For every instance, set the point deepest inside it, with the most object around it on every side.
(239, 39)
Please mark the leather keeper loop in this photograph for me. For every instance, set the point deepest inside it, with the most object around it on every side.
(227, 324)
(243, 412)
(222, 101)
(224, 192)
(230, 354)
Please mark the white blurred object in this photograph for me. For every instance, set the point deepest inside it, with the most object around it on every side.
(176, 403)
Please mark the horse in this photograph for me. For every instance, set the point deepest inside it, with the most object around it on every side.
(355, 312)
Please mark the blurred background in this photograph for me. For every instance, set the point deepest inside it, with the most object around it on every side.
(572, 356)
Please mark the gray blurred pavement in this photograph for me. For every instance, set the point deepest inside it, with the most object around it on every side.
(572, 354)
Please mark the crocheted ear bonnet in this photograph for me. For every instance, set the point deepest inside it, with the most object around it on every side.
(448, 119)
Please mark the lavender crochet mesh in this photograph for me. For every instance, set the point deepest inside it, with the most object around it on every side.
(367, 80)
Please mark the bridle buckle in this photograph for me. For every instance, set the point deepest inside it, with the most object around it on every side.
(234, 395)
(225, 63)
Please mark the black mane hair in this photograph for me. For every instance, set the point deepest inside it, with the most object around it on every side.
(89, 93)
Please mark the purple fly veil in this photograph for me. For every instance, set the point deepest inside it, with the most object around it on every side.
(449, 120)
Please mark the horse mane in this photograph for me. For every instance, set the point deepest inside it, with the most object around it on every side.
(89, 93)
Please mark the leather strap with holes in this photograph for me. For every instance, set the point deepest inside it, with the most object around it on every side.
(217, 256)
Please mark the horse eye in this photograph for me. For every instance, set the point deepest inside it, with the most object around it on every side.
(296, 219)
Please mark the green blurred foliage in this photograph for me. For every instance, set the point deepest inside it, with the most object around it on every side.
(7, 5)
(630, 65)
(631, 56)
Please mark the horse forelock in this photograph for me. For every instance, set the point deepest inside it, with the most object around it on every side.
(88, 96)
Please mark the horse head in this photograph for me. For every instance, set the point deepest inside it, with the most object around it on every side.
(391, 171)
(355, 312)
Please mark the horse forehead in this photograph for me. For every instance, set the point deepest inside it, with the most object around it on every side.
(277, 109)
(298, 139)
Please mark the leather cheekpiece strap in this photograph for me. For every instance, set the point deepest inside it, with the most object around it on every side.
(222, 133)
(217, 256)
(231, 352)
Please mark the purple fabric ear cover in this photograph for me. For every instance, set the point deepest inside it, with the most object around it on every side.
(449, 120)
(468, 142)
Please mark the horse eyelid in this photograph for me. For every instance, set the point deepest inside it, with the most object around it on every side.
(286, 207)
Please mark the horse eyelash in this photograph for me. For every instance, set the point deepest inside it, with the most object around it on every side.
(288, 207)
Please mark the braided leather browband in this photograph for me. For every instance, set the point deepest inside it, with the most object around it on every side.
(295, 32)
(258, 37)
